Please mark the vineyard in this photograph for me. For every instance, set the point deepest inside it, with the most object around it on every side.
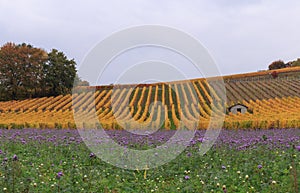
(272, 103)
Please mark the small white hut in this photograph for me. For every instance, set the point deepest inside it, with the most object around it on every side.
(238, 108)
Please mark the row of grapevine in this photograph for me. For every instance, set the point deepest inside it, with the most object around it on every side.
(272, 103)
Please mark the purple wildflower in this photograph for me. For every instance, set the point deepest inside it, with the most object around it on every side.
(15, 158)
(223, 167)
(92, 155)
(298, 147)
(186, 177)
(59, 175)
(5, 159)
(259, 166)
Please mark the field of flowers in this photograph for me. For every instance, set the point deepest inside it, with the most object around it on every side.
(240, 161)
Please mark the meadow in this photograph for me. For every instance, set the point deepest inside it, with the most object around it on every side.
(52, 160)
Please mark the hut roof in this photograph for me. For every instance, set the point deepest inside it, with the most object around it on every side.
(229, 108)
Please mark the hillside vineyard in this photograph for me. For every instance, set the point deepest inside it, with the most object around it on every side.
(271, 102)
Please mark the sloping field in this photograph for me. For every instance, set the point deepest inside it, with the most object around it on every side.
(272, 103)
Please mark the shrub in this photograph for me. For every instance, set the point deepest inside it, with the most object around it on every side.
(296, 63)
(277, 65)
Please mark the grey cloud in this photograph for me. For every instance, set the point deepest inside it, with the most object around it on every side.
(242, 36)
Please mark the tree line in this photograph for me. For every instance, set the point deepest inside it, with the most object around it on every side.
(29, 72)
(278, 64)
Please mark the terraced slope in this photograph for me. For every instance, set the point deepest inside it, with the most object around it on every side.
(273, 103)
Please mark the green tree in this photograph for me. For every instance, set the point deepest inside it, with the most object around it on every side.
(79, 82)
(296, 63)
(60, 73)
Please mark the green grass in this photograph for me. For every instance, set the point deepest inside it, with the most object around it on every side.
(39, 163)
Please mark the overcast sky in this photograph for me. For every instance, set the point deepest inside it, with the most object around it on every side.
(242, 36)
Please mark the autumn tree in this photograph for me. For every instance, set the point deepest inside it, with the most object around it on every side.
(26, 72)
(274, 74)
(21, 70)
(277, 65)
